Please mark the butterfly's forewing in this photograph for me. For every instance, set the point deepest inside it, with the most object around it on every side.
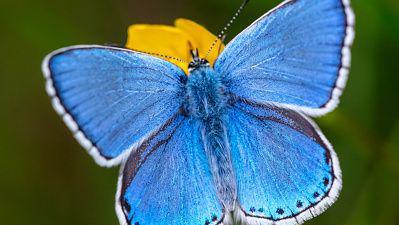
(112, 99)
(168, 180)
(286, 170)
(296, 56)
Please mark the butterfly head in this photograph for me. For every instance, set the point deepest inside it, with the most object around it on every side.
(197, 61)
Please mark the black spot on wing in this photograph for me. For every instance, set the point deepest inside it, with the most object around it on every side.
(299, 204)
(326, 181)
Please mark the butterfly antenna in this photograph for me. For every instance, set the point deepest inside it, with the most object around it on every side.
(161, 56)
(226, 28)
(195, 54)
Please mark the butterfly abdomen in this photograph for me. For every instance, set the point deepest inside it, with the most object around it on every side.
(207, 102)
(218, 153)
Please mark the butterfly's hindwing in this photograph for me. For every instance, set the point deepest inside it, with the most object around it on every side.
(168, 180)
(286, 170)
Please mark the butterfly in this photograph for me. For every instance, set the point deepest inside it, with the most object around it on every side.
(232, 142)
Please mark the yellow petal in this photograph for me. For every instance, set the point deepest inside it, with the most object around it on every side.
(161, 41)
(201, 39)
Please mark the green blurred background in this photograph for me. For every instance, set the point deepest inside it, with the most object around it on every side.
(46, 178)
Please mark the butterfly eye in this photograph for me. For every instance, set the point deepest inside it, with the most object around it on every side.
(191, 65)
(204, 61)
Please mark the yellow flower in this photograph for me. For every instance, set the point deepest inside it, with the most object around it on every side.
(175, 41)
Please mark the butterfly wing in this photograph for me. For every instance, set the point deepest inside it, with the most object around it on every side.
(286, 170)
(168, 180)
(111, 98)
(296, 56)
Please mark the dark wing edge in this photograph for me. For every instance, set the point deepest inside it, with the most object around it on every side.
(343, 73)
(313, 210)
(70, 121)
(135, 167)
(345, 65)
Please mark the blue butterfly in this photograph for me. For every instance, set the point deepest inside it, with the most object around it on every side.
(232, 142)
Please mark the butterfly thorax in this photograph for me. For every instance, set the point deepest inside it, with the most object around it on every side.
(205, 98)
(206, 101)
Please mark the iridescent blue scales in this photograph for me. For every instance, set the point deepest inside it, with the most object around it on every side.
(229, 143)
